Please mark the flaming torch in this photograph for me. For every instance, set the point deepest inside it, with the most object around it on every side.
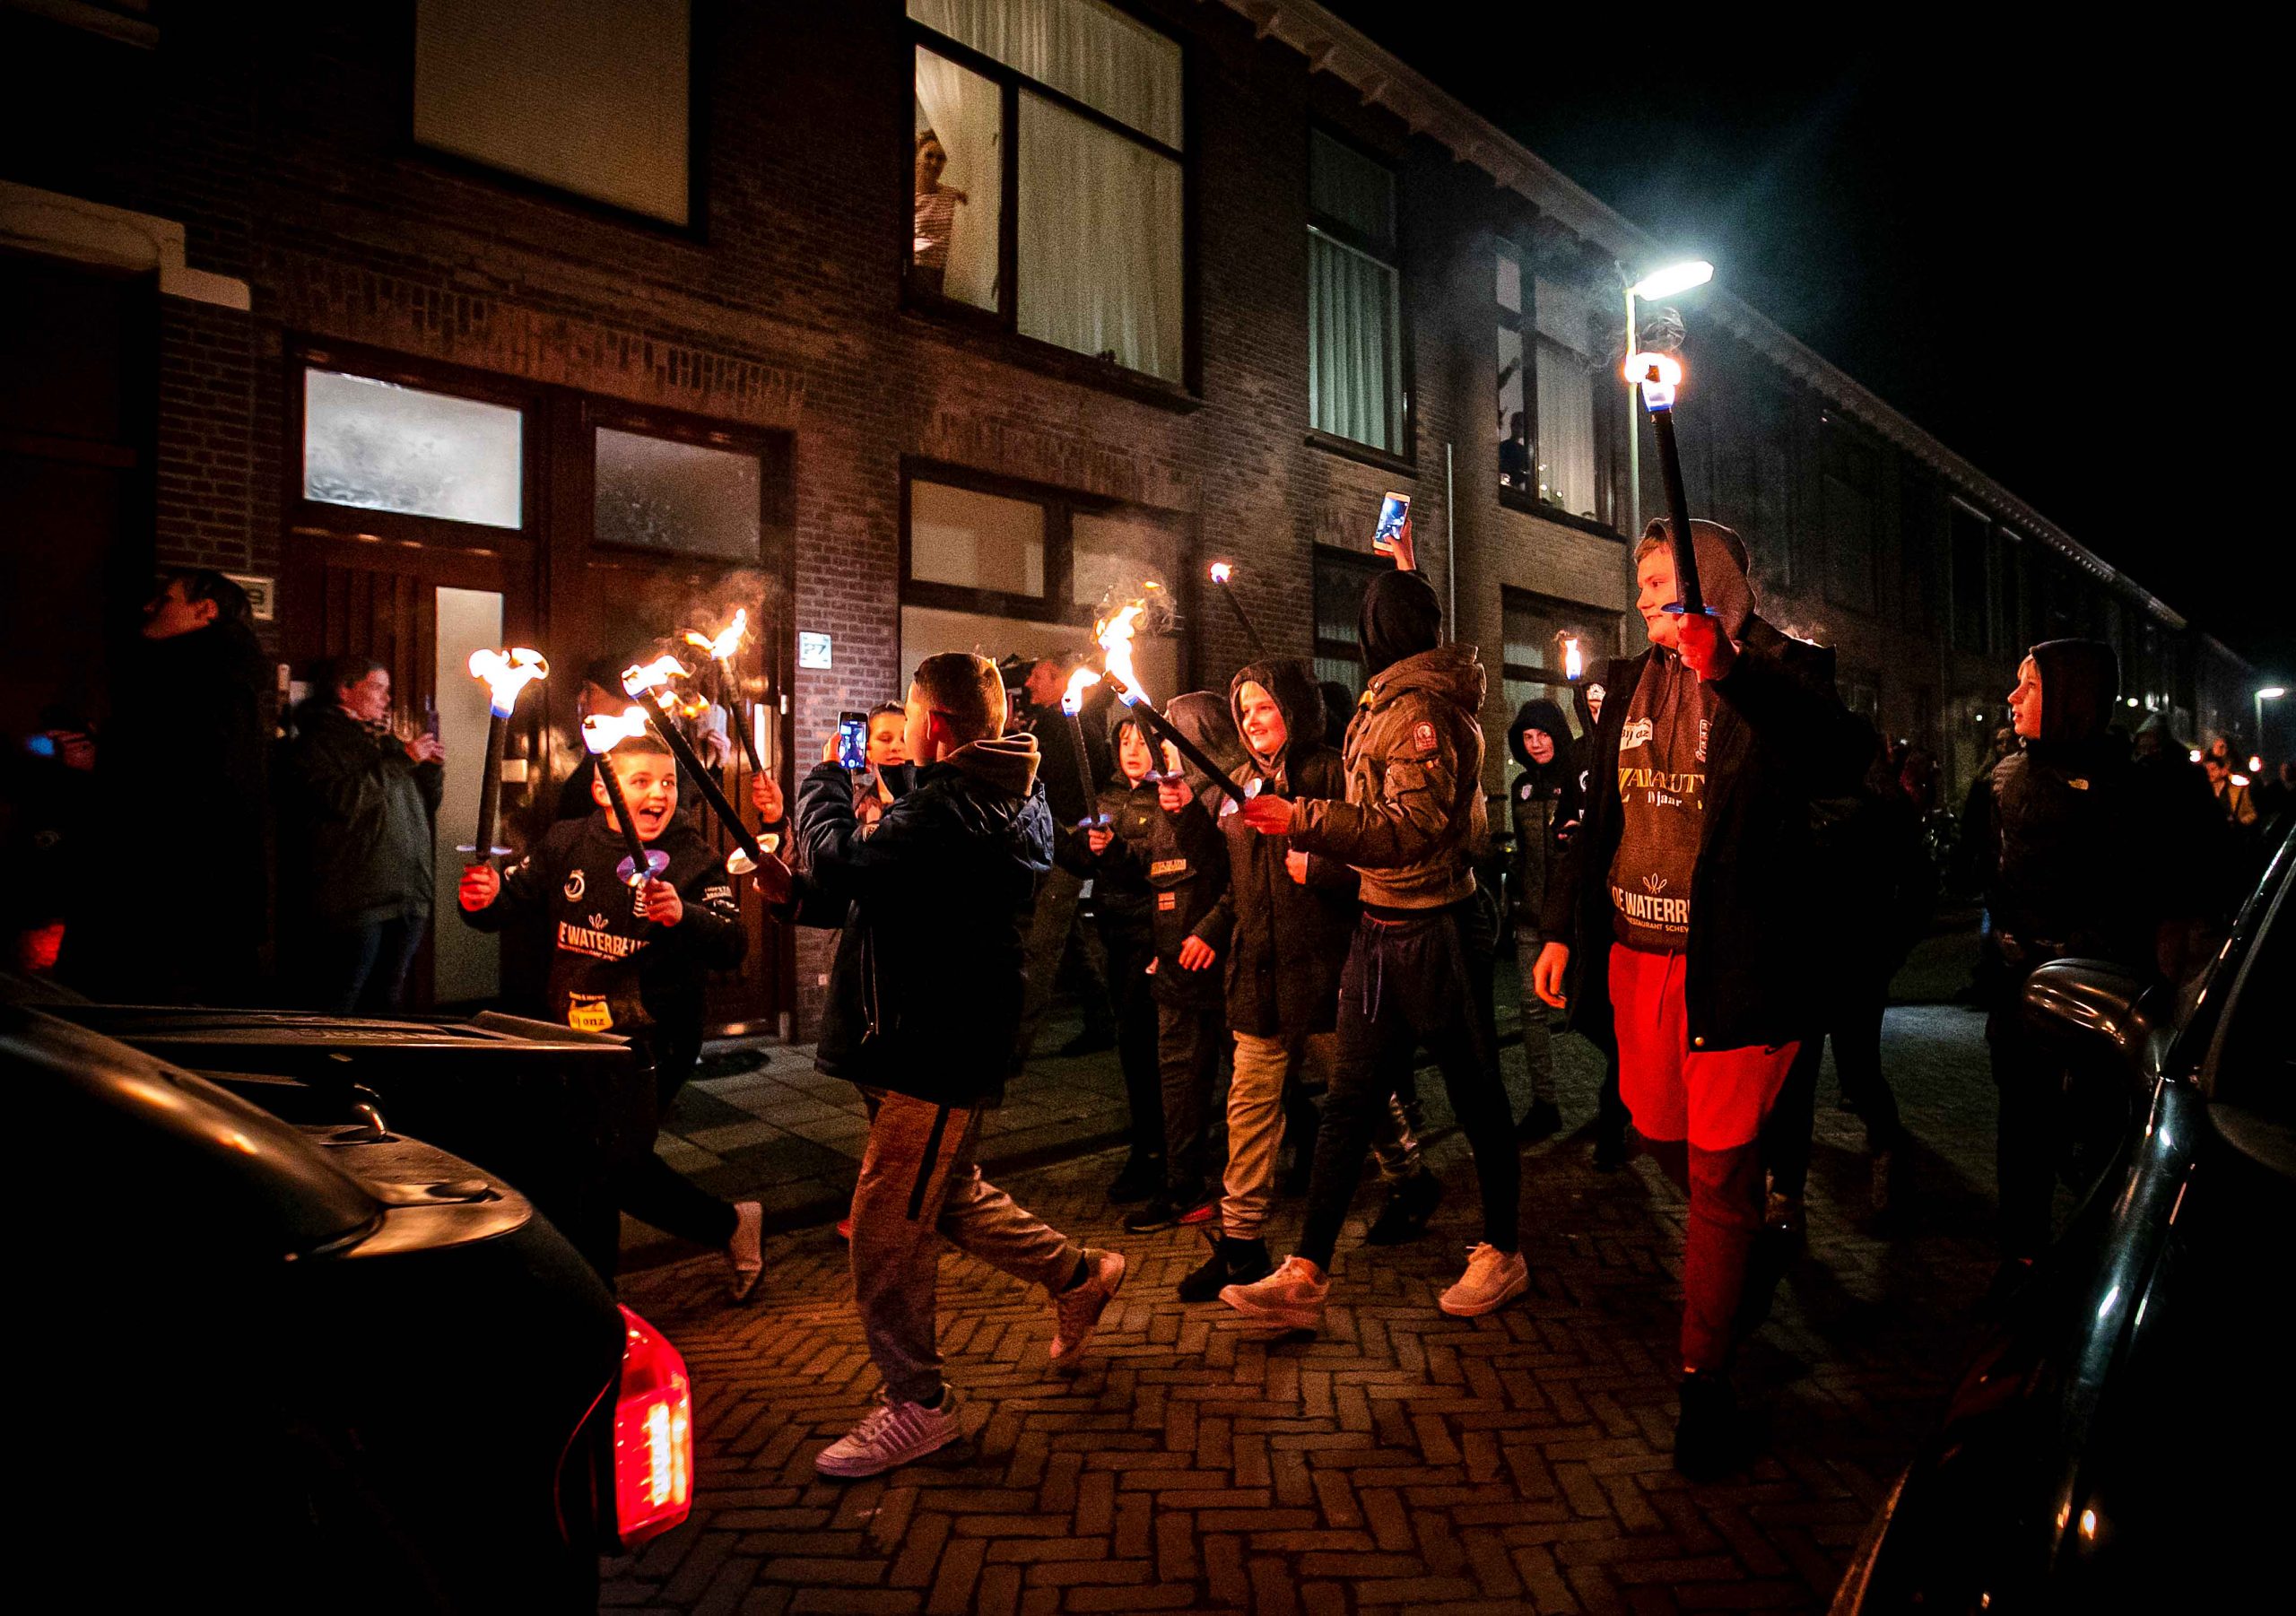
(1574, 661)
(1220, 574)
(504, 673)
(600, 734)
(1114, 635)
(1072, 703)
(721, 651)
(652, 680)
(1659, 374)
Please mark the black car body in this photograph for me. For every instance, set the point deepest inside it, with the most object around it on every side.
(2122, 1440)
(318, 1367)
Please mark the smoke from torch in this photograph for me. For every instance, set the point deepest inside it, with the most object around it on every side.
(504, 673)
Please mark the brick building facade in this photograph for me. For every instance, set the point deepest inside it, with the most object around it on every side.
(281, 197)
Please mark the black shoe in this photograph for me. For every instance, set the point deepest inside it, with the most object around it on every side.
(1142, 1177)
(1090, 1041)
(1408, 1206)
(1231, 1263)
(1159, 1214)
(1714, 1438)
(1543, 1120)
(1609, 1150)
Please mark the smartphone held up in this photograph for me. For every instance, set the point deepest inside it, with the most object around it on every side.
(853, 741)
(1393, 528)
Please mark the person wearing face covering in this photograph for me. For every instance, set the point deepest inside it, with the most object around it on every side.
(2065, 810)
(1540, 742)
(1684, 920)
(1419, 966)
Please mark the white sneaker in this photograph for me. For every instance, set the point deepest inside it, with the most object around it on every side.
(1293, 1297)
(745, 1252)
(1076, 1310)
(889, 1436)
(1493, 1279)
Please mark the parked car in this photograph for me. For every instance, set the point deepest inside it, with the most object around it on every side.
(2123, 1440)
(273, 1367)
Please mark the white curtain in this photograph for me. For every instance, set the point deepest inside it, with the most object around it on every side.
(1566, 446)
(1083, 49)
(1353, 382)
(1100, 241)
(966, 114)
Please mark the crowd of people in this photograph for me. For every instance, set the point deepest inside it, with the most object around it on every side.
(1714, 869)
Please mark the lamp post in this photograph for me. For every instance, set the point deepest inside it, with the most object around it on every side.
(1659, 283)
(2270, 692)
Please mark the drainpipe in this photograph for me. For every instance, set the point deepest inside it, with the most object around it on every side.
(1451, 542)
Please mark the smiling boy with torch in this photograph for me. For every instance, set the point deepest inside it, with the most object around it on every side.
(639, 908)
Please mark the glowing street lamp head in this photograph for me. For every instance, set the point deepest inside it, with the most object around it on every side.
(1221, 572)
(2272, 692)
(1676, 277)
(505, 673)
(603, 732)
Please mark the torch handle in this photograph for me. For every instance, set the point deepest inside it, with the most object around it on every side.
(1670, 468)
(630, 836)
(1259, 647)
(710, 792)
(1187, 749)
(490, 790)
(745, 721)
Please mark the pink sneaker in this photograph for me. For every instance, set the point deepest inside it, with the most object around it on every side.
(1076, 1310)
(1291, 1297)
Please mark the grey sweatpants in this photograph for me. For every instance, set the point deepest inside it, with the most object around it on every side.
(918, 1187)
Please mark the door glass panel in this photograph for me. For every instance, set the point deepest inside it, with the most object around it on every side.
(378, 446)
(687, 499)
(466, 964)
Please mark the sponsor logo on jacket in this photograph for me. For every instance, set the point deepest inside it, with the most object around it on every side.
(1636, 733)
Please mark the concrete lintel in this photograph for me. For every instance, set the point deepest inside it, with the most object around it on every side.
(91, 233)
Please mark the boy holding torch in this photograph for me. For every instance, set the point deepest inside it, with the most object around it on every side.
(1681, 916)
(629, 958)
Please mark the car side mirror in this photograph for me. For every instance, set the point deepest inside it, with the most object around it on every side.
(2099, 1007)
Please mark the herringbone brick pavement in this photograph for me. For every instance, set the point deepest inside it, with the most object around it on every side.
(1402, 1461)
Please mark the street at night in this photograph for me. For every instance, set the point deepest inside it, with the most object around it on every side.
(1033, 806)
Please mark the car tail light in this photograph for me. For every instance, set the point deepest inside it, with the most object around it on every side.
(653, 1435)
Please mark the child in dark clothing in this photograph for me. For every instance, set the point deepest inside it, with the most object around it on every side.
(1179, 868)
(1124, 907)
(630, 961)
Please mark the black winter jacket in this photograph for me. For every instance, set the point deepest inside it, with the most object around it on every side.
(1780, 739)
(1164, 872)
(1286, 942)
(925, 994)
(611, 968)
(356, 818)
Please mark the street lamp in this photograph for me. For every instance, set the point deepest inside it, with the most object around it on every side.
(2270, 692)
(1658, 283)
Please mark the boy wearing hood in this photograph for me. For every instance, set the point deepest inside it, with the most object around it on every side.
(1156, 881)
(1418, 969)
(2064, 811)
(1685, 909)
(924, 1001)
(1540, 742)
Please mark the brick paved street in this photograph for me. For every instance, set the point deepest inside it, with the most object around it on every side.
(1404, 1459)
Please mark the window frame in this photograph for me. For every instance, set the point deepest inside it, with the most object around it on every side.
(1405, 457)
(1841, 448)
(1005, 319)
(1599, 626)
(769, 450)
(695, 228)
(1061, 507)
(1524, 322)
(1343, 559)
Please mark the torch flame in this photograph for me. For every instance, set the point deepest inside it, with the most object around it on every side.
(505, 673)
(1658, 375)
(1072, 701)
(1114, 635)
(1573, 664)
(1221, 572)
(602, 732)
(722, 648)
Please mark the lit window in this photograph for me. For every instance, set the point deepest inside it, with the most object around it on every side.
(1565, 408)
(378, 446)
(655, 493)
(975, 541)
(1354, 340)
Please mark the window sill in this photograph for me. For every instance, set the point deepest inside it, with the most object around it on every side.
(1556, 514)
(984, 333)
(1347, 449)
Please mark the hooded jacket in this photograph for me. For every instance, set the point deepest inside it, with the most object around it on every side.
(924, 993)
(1781, 740)
(1169, 869)
(1413, 814)
(1286, 941)
(356, 822)
(1535, 801)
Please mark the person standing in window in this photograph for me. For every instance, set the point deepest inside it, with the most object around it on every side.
(937, 213)
(1515, 453)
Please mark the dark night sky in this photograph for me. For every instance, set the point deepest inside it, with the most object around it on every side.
(1931, 214)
